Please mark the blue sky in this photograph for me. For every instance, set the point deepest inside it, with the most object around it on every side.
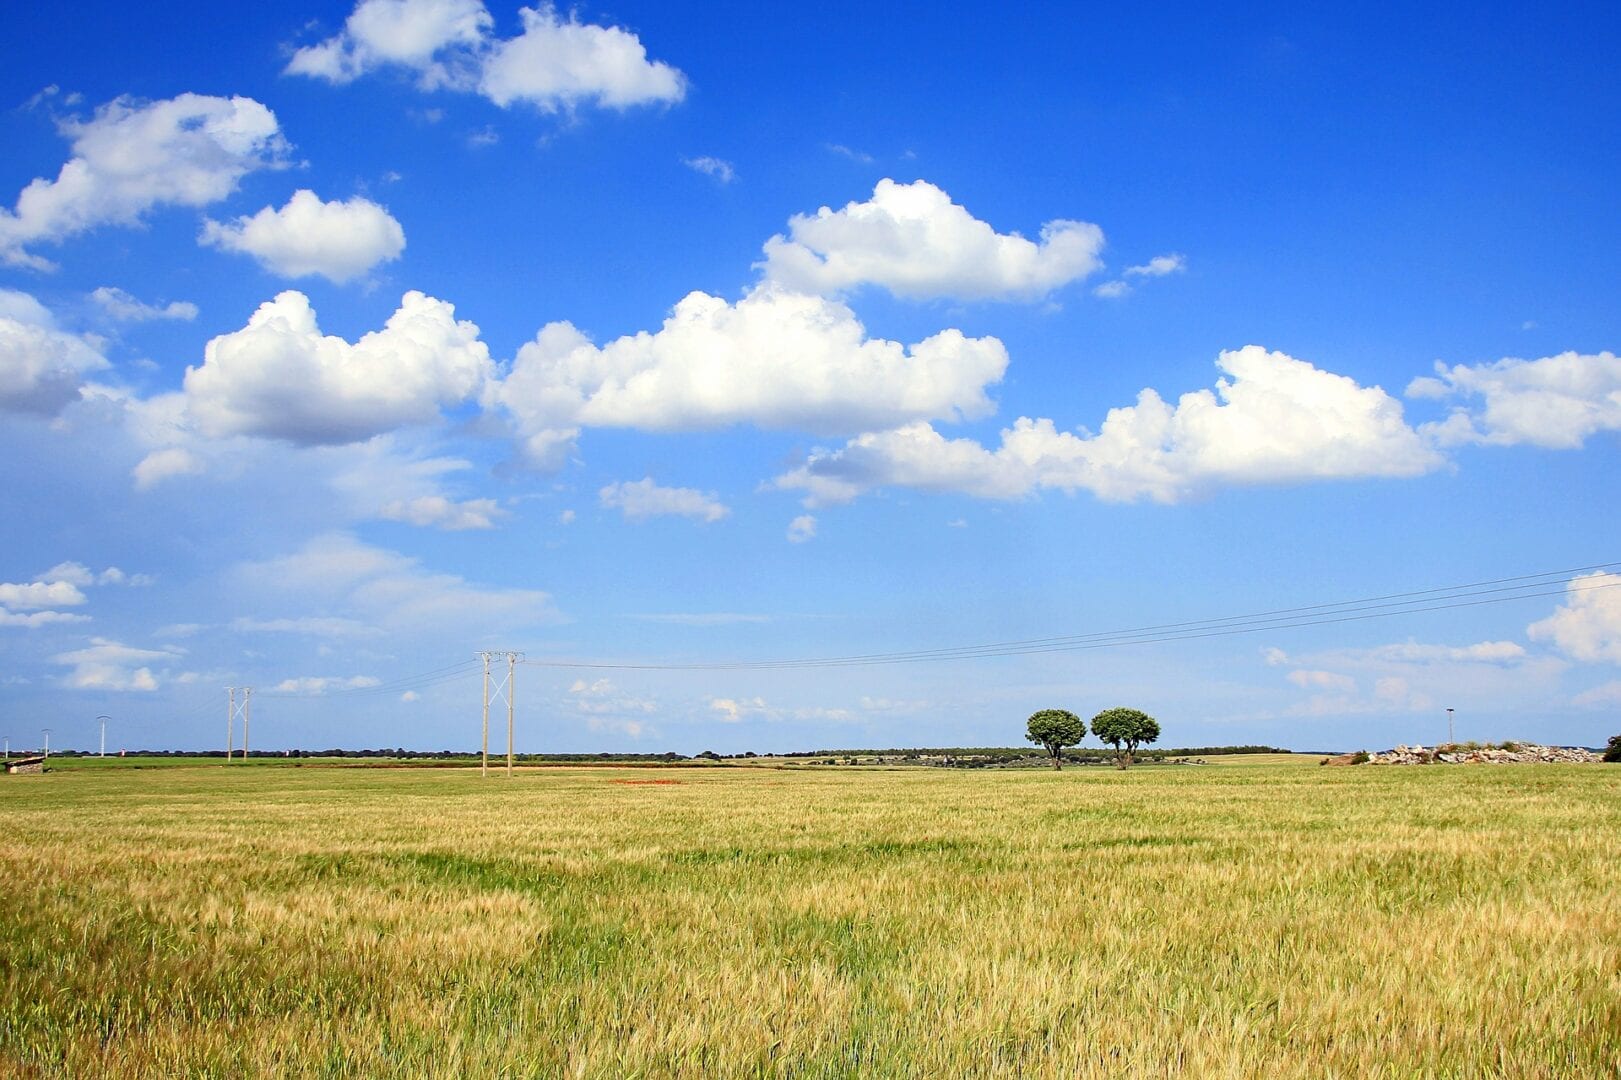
(339, 343)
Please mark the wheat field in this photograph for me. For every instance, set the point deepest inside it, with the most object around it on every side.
(1267, 918)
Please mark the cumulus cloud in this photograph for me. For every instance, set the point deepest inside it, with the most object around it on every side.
(110, 665)
(559, 64)
(76, 573)
(190, 150)
(721, 171)
(436, 511)
(643, 499)
(554, 64)
(279, 377)
(1587, 626)
(1271, 419)
(912, 240)
(802, 529)
(736, 710)
(120, 305)
(425, 36)
(41, 367)
(1555, 402)
(164, 464)
(337, 240)
(41, 594)
(775, 358)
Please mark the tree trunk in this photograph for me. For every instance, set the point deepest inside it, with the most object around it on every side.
(1058, 765)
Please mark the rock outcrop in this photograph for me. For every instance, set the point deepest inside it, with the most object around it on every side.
(1510, 754)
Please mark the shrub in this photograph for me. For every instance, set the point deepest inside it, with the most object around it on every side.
(1613, 751)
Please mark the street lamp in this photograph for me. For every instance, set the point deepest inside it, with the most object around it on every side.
(104, 720)
(1451, 738)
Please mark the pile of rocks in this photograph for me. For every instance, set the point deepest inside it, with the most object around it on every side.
(1522, 753)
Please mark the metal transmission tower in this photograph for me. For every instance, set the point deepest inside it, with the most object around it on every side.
(504, 688)
(234, 710)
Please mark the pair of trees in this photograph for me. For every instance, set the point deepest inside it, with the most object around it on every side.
(1123, 729)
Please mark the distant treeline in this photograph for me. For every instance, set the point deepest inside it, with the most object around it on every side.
(984, 754)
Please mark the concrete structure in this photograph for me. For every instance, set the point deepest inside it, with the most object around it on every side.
(26, 765)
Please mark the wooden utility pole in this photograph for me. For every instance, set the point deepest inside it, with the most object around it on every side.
(230, 722)
(484, 766)
(512, 668)
(247, 715)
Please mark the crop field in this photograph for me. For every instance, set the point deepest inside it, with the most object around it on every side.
(1263, 918)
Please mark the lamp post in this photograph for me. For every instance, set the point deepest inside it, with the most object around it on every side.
(104, 720)
(1451, 738)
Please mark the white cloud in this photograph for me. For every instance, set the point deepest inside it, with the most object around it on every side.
(314, 685)
(1322, 680)
(41, 368)
(426, 36)
(643, 499)
(776, 359)
(1271, 419)
(161, 465)
(734, 710)
(801, 529)
(337, 240)
(122, 306)
(410, 695)
(566, 517)
(1588, 625)
(554, 64)
(1416, 677)
(914, 241)
(38, 618)
(41, 594)
(279, 377)
(1159, 266)
(1556, 402)
(438, 512)
(312, 626)
(1607, 695)
(721, 171)
(557, 64)
(344, 579)
(847, 152)
(611, 709)
(76, 573)
(190, 150)
(1112, 290)
(110, 665)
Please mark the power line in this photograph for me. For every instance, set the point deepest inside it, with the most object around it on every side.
(1474, 594)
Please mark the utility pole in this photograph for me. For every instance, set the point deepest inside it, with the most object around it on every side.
(8, 747)
(230, 721)
(504, 688)
(484, 766)
(247, 714)
(512, 670)
(1451, 738)
(47, 741)
(104, 720)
